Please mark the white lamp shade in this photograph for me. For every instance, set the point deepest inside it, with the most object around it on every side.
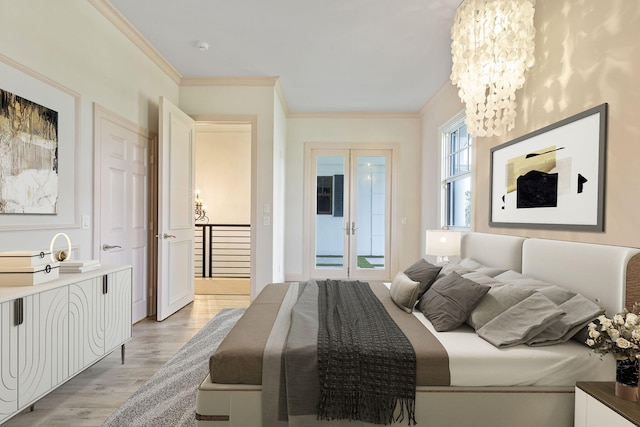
(442, 243)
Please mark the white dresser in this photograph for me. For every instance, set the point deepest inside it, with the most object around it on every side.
(51, 332)
(597, 406)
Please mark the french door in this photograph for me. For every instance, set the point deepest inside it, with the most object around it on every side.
(350, 204)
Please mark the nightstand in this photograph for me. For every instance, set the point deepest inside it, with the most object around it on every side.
(597, 405)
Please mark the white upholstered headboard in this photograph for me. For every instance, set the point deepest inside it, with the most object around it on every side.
(608, 274)
(493, 250)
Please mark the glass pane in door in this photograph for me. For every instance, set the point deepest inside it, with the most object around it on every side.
(330, 205)
(371, 210)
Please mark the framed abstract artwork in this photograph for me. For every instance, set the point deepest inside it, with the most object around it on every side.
(39, 153)
(29, 149)
(552, 178)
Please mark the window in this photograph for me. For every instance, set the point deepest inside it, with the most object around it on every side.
(456, 175)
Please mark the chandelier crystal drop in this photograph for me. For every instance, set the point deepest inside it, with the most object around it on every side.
(492, 48)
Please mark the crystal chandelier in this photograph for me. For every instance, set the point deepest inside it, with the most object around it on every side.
(492, 47)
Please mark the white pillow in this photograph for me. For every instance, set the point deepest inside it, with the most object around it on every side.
(404, 292)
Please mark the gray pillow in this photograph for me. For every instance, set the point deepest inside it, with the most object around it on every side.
(404, 292)
(521, 322)
(555, 293)
(481, 278)
(423, 272)
(490, 271)
(469, 265)
(579, 310)
(449, 301)
(499, 298)
(453, 268)
(582, 335)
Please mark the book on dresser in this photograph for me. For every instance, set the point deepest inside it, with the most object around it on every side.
(79, 266)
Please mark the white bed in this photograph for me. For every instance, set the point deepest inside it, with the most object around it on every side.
(502, 393)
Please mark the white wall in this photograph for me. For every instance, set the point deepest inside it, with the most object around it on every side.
(279, 214)
(223, 171)
(403, 131)
(586, 54)
(72, 44)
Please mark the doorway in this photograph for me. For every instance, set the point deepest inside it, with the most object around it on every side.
(350, 212)
(222, 258)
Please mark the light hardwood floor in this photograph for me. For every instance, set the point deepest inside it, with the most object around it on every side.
(89, 398)
(222, 285)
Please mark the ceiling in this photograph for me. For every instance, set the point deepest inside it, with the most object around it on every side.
(331, 56)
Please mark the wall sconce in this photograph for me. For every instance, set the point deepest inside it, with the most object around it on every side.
(200, 209)
(492, 45)
(442, 244)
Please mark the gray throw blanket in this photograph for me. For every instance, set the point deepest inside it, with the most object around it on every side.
(366, 365)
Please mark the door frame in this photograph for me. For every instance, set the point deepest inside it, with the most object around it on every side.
(308, 197)
(251, 119)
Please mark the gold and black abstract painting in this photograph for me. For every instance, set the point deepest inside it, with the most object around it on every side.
(552, 177)
(28, 156)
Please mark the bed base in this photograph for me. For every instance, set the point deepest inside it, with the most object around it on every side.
(608, 274)
(231, 405)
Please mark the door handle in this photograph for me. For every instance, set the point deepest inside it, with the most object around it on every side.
(106, 247)
(18, 311)
(353, 228)
(346, 228)
(168, 236)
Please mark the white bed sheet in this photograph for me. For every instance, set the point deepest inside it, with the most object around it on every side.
(475, 362)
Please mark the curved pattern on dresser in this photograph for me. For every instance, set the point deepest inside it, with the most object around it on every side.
(8, 372)
(117, 309)
(86, 323)
(51, 332)
(44, 337)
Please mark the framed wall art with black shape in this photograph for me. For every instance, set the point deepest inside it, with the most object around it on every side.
(554, 177)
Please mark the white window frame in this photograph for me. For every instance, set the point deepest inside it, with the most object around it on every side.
(453, 125)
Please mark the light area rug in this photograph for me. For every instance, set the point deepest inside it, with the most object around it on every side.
(168, 398)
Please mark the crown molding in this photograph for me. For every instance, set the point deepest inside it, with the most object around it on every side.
(121, 23)
(229, 81)
(354, 115)
(283, 98)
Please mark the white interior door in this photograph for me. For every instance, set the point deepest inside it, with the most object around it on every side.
(352, 213)
(175, 209)
(122, 208)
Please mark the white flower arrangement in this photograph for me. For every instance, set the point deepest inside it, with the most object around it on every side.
(619, 335)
